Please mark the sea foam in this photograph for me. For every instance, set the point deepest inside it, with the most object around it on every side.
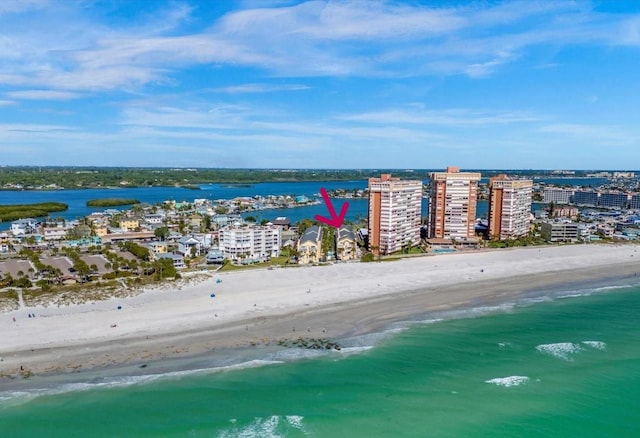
(561, 350)
(597, 345)
(275, 426)
(9, 398)
(508, 381)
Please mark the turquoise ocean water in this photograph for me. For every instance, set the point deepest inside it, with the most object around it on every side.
(566, 367)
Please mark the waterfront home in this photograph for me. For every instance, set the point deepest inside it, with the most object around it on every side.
(346, 245)
(189, 245)
(310, 245)
(240, 242)
(214, 256)
(24, 226)
(177, 259)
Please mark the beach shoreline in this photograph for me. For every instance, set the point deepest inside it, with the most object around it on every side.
(256, 309)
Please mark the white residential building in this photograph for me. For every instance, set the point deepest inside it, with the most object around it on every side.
(241, 242)
(153, 218)
(557, 195)
(186, 245)
(24, 226)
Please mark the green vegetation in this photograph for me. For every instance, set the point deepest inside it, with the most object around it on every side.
(111, 202)
(164, 268)
(20, 211)
(522, 241)
(367, 258)
(47, 178)
(139, 251)
(281, 260)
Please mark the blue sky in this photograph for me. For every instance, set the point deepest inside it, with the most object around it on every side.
(321, 84)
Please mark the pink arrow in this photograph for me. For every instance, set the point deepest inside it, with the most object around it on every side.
(335, 221)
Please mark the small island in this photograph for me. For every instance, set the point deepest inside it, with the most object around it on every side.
(111, 202)
(18, 211)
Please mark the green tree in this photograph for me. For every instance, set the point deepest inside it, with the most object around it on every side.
(304, 224)
(164, 268)
(205, 225)
(161, 233)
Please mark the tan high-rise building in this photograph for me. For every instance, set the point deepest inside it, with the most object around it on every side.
(394, 213)
(452, 205)
(509, 207)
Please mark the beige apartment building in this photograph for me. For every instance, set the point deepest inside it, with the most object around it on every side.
(509, 207)
(346, 244)
(394, 213)
(452, 206)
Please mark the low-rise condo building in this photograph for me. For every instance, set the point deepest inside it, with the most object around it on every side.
(249, 242)
(559, 231)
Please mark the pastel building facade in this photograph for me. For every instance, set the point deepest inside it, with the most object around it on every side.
(452, 205)
(346, 244)
(509, 207)
(394, 213)
(310, 245)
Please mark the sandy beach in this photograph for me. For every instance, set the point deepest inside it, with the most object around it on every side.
(256, 307)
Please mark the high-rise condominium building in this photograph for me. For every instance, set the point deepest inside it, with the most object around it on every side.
(452, 205)
(394, 213)
(509, 207)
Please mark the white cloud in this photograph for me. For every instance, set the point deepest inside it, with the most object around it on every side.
(315, 38)
(43, 95)
(261, 88)
(442, 117)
